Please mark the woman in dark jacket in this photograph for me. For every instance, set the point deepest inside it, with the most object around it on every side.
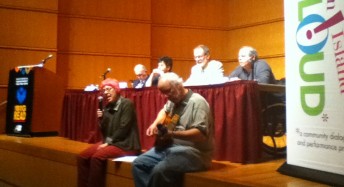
(119, 129)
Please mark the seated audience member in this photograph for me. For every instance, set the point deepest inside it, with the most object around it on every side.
(142, 76)
(206, 71)
(252, 68)
(120, 134)
(164, 65)
(184, 130)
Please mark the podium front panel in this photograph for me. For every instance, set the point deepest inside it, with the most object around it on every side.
(20, 98)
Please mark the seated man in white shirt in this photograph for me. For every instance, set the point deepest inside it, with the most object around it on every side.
(206, 71)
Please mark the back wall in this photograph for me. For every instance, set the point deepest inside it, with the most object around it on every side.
(87, 37)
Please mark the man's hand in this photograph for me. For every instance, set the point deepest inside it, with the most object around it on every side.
(152, 130)
(164, 138)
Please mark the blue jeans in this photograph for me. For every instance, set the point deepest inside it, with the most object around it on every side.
(166, 168)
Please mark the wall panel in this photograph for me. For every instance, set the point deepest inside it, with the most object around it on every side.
(277, 65)
(253, 12)
(206, 13)
(268, 39)
(265, 38)
(261, 25)
(111, 9)
(28, 29)
(179, 42)
(82, 70)
(100, 36)
(3, 105)
(36, 5)
(97, 35)
(28, 34)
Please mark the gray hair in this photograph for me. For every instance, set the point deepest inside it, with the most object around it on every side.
(139, 67)
(171, 77)
(205, 48)
(252, 51)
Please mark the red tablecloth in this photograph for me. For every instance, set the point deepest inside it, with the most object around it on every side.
(235, 106)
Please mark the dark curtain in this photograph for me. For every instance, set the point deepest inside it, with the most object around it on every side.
(235, 107)
(79, 116)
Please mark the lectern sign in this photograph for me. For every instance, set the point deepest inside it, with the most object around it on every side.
(20, 96)
(314, 38)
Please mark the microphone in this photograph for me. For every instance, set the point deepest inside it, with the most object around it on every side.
(41, 64)
(47, 58)
(106, 72)
(100, 103)
(44, 60)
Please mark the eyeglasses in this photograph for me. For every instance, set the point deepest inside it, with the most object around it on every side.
(199, 57)
(140, 75)
(108, 89)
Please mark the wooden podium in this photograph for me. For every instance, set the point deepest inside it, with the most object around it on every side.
(35, 99)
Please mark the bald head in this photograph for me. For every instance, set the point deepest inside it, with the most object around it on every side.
(171, 78)
(140, 71)
(247, 55)
(171, 85)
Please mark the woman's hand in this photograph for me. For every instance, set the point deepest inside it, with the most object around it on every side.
(99, 113)
(102, 145)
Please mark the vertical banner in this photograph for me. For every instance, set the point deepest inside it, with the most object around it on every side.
(19, 101)
(314, 44)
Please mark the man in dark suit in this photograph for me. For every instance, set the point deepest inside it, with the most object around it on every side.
(142, 76)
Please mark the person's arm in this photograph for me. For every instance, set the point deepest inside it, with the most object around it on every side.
(201, 126)
(155, 73)
(235, 72)
(152, 129)
(149, 80)
(194, 135)
(191, 80)
(263, 77)
(135, 82)
(263, 73)
(216, 73)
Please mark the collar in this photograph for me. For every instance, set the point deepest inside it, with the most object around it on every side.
(115, 105)
(187, 98)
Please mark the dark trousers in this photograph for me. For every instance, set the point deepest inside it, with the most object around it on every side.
(92, 164)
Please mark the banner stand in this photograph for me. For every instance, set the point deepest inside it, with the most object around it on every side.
(312, 174)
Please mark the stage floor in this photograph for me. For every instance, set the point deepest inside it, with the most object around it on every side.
(223, 173)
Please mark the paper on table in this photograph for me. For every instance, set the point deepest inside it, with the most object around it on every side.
(125, 159)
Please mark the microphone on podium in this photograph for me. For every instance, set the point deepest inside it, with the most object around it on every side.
(106, 72)
(41, 64)
(45, 60)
